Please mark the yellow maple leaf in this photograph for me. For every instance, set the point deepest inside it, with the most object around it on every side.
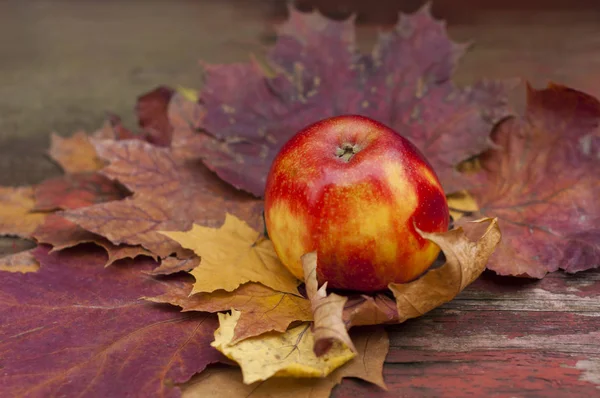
(225, 382)
(17, 217)
(74, 154)
(460, 203)
(232, 255)
(288, 354)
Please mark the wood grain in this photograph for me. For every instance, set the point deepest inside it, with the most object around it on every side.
(501, 337)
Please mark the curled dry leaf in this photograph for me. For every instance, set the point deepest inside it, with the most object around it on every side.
(542, 184)
(169, 195)
(74, 154)
(277, 354)
(78, 328)
(314, 71)
(329, 326)
(232, 255)
(465, 261)
(262, 309)
(19, 262)
(225, 382)
(17, 217)
(361, 310)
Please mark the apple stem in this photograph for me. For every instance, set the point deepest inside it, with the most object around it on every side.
(346, 151)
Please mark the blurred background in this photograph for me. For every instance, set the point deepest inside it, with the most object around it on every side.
(65, 63)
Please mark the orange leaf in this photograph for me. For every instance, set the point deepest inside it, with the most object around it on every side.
(74, 154)
(169, 195)
(16, 212)
(263, 309)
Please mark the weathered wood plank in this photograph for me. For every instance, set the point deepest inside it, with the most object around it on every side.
(501, 337)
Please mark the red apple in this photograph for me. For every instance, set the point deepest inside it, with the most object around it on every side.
(353, 189)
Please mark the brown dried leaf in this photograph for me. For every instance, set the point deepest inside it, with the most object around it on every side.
(186, 117)
(263, 309)
(542, 183)
(465, 261)
(74, 154)
(171, 265)
(19, 262)
(62, 234)
(233, 255)
(168, 195)
(224, 382)
(122, 252)
(362, 310)
(16, 212)
(329, 325)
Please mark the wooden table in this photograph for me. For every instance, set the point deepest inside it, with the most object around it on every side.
(67, 63)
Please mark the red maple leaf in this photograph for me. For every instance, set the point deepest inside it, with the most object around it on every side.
(80, 329)
(314, 71)
(543, 184)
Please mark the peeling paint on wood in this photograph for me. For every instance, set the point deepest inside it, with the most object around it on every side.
(501, 337)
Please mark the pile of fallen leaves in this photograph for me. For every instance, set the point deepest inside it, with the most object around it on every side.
(152, 263)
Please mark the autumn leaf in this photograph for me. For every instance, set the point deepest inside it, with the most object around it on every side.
(72, 191)
(372, 346)
(74, 154)
(329, 326)
(363, 310)
(314, 71)
(461, 203)
(113, 129)
(262, 309)
(62, 234)
(186, 117)
(277, 354)
(151, 109)
(75, 328)
(120, 252)
(232, 255)
(465, 261)
(542, 184)
(19, 262)
(17, 217)
(168, 195)
(171, 265)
